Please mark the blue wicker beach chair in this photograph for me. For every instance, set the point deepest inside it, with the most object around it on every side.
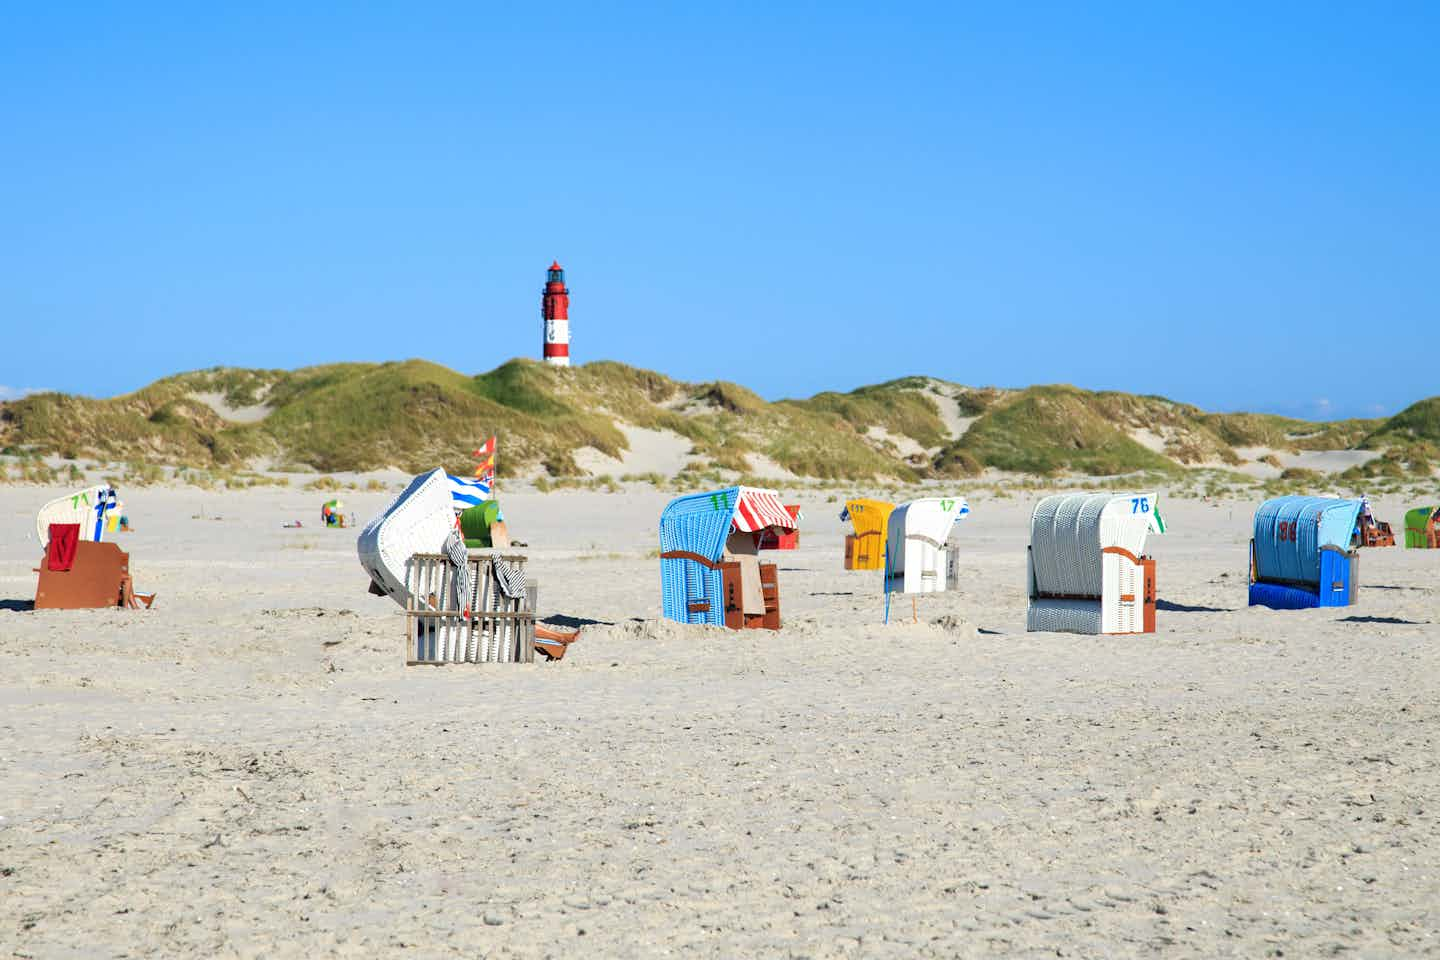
(1303, 555)
(702, 579)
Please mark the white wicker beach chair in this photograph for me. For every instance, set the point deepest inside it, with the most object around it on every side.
(86, 507)
(417, 521)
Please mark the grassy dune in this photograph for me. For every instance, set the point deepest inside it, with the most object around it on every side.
(413, 414)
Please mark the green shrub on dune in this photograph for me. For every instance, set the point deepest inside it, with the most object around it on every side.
(1417, 423)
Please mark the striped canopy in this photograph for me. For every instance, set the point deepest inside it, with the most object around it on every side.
(701, 522)
(757, 509)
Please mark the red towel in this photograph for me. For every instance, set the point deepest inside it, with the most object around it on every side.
(63, 538)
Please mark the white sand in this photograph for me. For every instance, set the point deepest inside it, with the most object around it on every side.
(217, 402)
(902, 445)
(651, 451)
(1322, 461)
(944, 396)
(249, 770)
(1148, 439)
(768, 469)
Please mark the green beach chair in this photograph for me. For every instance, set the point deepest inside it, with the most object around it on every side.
(475, 524)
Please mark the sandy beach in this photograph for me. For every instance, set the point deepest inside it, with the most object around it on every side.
(250, 770)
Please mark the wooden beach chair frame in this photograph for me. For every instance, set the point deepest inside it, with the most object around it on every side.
(1428, 535)
(99, 577)
(731, 592)
(1374, 533)
(1069, 591)
(487, 627)
(870, 523)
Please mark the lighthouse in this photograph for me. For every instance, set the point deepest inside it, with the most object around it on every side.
(555, 313)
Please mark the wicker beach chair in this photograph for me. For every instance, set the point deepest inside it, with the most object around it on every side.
(708, 574)
(80, 574)
(418, 520)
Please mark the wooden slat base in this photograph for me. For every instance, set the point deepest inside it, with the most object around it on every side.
(486, 626)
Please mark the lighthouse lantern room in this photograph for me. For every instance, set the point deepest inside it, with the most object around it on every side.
(555, 313)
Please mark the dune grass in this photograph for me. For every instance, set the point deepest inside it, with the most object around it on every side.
(415, 414)
(1053, 429)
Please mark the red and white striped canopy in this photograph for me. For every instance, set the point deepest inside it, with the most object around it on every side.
(758, 509)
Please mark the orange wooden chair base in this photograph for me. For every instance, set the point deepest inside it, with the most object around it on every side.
(1376, 534)
(98, 577)
(553, 643)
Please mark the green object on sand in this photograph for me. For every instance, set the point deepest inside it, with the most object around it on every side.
(475, 523)
(1417, 521)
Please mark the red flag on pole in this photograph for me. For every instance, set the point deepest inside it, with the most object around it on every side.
(486, 455)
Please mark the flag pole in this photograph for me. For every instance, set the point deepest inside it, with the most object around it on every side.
(885, 583)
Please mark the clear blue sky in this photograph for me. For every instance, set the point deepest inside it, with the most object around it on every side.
(1230, 204)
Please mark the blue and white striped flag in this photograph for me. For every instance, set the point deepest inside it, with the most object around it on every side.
(467, 492)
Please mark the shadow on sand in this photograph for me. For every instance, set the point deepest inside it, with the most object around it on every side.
(560, 620)
(1411, 623)
(17, 606)
(1186, 608)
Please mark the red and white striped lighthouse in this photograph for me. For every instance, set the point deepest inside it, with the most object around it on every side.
(555, 312)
